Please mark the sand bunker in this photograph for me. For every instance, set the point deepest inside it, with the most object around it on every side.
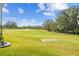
(50, 40)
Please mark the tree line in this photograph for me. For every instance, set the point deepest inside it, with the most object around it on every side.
(66, 21)
(13, 25)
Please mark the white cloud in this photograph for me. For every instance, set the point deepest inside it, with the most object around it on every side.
(12, 18)
(33, 20)
(47, 13)
(41, 22)
(5, 5)
(5, 19)
(20, 10)
(58, 6)
(27, 22)
(5, 10)
(41, 6)
(23, 20)
(49, 8)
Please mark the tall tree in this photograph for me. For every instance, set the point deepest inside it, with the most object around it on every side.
(68, 20)
(47, 25)
(10, 25)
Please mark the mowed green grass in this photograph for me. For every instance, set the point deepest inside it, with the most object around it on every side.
(28, 43)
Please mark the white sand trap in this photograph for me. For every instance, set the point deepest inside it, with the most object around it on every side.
(26, 29)
(50, 40)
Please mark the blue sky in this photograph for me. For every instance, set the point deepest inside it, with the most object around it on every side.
(25, 14)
